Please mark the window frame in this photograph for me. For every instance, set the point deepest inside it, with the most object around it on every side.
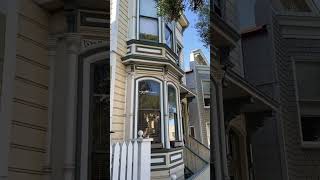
(204, 96)
(139, 15)
(136, 108)
(304, 144)
(166, 26)
(178, 125)
(194, 132)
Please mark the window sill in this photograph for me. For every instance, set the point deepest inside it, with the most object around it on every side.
(310, 145)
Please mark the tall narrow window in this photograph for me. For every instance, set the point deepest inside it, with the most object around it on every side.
(168, 36)
(148, 21)
(149, 110)
(173, 114)
(206, 93)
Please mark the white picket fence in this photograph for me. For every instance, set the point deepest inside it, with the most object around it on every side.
(131, 160)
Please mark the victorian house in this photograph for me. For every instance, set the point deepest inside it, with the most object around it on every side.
(54, 79)
(198, 81)
(148, 91)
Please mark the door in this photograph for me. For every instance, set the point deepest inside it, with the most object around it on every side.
(98, 122)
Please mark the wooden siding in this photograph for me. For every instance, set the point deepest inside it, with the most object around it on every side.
(29, 120)
(302, 163)
(118, 111)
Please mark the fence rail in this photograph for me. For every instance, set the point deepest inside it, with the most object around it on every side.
(131, 160)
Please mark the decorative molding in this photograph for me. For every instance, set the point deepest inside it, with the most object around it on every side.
(87, 43)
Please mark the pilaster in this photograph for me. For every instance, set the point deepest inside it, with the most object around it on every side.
(73, 46)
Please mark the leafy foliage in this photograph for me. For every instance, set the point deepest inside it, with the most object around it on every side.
(203, 24)
(171, 10)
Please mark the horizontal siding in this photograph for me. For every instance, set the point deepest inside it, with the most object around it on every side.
(29, 120)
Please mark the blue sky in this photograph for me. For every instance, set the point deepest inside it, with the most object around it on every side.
(191, 39)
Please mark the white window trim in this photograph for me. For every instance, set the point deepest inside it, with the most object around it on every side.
(136, 106)
(180, 138)
(137, 25)
(203, 95)
(208, 132)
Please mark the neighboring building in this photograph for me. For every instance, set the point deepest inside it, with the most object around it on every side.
(198, 80)
(282, 59)
(239, 111)
(53, 61)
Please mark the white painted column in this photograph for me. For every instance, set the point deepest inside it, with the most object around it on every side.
(133, 127)
(144, 153)
(166, 115)
(52, 55)
(73, 44)
(7, 92)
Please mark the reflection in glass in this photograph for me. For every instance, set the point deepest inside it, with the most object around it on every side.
(168, 36)
(173, 118)
(149, 119)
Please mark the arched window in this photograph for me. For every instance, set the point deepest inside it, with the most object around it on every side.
(173, 114)
(149, 109)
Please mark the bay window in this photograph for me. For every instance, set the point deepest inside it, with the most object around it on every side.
(149, 113)
(149, 109)
(173, 114)
(148, 21)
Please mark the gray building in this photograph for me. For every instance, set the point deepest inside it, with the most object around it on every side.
(198, 80)
(281, 58)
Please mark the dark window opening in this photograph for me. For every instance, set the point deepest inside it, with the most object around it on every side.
(310, 128)
(192, 134)
(206, 101)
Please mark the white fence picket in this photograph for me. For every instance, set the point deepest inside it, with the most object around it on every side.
(123, 160)
(129, 161)
(135, 161)
(116, 161)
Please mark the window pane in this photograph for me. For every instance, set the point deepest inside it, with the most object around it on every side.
(149, 115)
(168, 36)
(308, 75)
(310, 128)
(148, 8)
(206, 87)
(173, 116)
(150, 124)
(149, 95)
(148, 29)
(206, 101)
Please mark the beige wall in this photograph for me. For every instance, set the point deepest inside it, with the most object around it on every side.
(30, 101)
(118, 109)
